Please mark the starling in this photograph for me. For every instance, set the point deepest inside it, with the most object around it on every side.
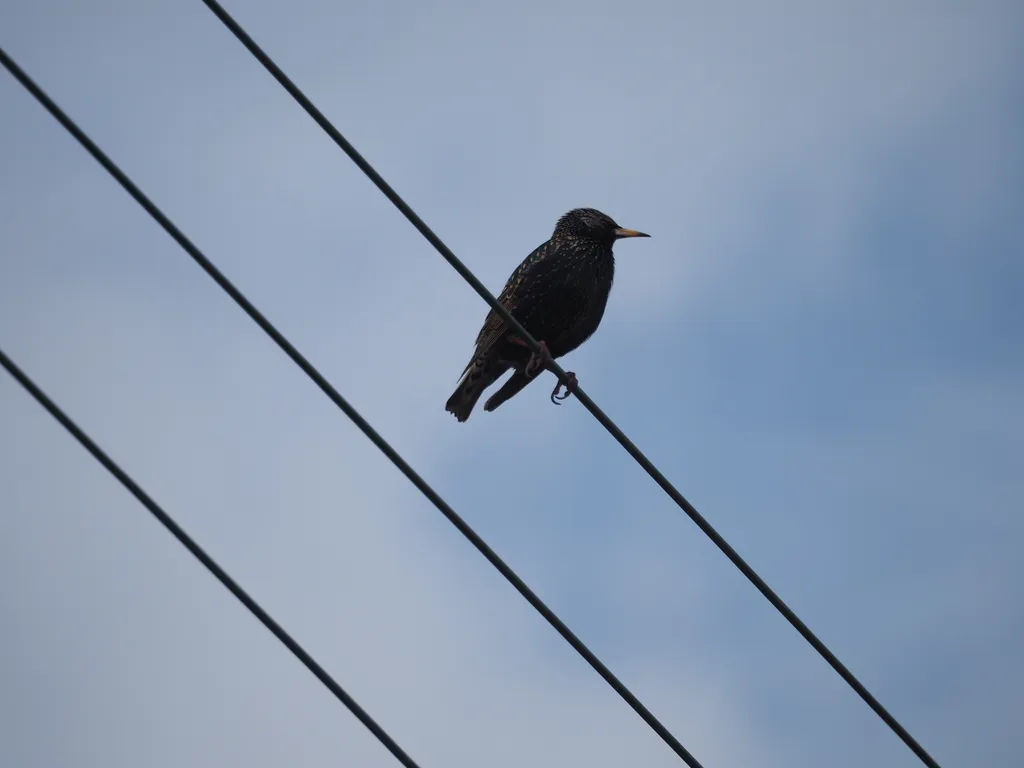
(558, 294)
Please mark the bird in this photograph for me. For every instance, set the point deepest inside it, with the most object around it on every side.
(559, 294)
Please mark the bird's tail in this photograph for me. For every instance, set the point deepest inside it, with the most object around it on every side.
(479, 375)
(508, 390)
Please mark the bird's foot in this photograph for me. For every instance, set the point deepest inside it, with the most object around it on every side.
(537, 362)
(570, 387)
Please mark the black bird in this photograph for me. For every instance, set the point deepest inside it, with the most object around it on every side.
(559, 294)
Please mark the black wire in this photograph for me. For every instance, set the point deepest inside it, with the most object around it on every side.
(589, 404)
(326, 387)
(211, 565)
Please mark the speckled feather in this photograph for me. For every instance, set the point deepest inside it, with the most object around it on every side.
(559, 293)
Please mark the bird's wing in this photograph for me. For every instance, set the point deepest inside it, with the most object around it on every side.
(511, 298)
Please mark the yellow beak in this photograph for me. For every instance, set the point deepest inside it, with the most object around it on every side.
(620, 232)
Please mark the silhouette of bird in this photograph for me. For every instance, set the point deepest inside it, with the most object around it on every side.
(558, 293)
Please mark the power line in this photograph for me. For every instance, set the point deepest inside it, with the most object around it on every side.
(325, 386)
(589, 404)
(200, 554)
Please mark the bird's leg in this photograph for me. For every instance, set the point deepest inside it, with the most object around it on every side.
(543, 360)
(570, 387)
(537, 363)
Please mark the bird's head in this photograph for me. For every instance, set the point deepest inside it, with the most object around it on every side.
(591, 224)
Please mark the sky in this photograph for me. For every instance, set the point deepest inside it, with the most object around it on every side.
(820, 345)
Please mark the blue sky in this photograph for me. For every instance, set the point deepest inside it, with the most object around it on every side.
(820, 345)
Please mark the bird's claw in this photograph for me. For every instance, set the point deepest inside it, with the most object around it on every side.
(537, 362)
(570, 388)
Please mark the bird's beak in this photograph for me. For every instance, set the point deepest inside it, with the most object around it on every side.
(620, 232)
